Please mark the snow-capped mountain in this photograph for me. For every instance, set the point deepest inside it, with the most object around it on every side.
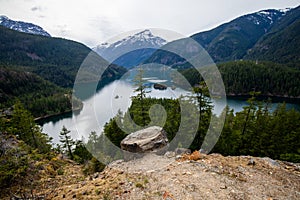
(232, 40)
(131, 50)
(22, 26)
(267, 16)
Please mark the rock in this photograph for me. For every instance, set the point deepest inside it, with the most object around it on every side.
(96, 175)
(203, 151)
(178, 157)
(191, 187)
(170, 154)
(151, 139)
(251, 162)
(223, 187)
(196, 155)
(186, 173)
(271, 162)
(180, 151)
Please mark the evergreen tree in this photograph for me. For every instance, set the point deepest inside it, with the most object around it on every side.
(202, 95)
(113, 132)
(204, 107)
(23, 126)
(81, 154)
(67, 141)
(139, 83)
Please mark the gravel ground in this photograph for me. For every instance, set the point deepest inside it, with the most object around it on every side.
(195, 176)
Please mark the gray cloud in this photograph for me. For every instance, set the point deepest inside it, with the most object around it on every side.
(36, 8)
(95, 21)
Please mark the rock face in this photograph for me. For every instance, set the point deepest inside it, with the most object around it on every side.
(151, 139)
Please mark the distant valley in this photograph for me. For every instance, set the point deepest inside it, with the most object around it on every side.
(269, 38)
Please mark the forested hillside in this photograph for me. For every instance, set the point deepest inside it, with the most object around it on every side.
(35, 69)
(282, 43)
(231, 41)
(40, 97)
(54, 59)
(240, 77)
(268, 35)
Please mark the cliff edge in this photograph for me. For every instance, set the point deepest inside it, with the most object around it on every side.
(196, 176)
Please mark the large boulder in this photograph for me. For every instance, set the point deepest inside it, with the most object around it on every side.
(152, 139)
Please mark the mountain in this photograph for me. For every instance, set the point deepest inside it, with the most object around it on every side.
(54, 59)
(131, 50)
(232, 40)
(22, 26)
(34, 68)
(282, 43)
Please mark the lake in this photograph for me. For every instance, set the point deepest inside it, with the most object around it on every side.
(106, 103)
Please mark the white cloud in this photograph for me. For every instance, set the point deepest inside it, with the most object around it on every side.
(95, 21)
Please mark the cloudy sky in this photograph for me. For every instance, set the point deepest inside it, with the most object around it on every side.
(95, 21)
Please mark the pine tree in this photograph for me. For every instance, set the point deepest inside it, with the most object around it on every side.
(139, 83)
(204, 107)
(81, 154)
(202, 95)
(23, 125)
(113, 132)
(67, 141)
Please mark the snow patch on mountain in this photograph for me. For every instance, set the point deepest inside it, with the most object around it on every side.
(285, 10)
(22, 26)
(266, 17)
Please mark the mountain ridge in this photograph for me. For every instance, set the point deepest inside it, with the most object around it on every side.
(45, 69)
(282, 43)
(232, 40)
(131, 50)
(21, 26)
(55, 59)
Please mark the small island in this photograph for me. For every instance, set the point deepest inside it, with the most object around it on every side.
(158, 86)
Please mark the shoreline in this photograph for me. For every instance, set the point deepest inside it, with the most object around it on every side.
(274, 98)
(57, 114)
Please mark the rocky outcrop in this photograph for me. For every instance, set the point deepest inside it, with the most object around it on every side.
(195, 176)
(152, 139)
